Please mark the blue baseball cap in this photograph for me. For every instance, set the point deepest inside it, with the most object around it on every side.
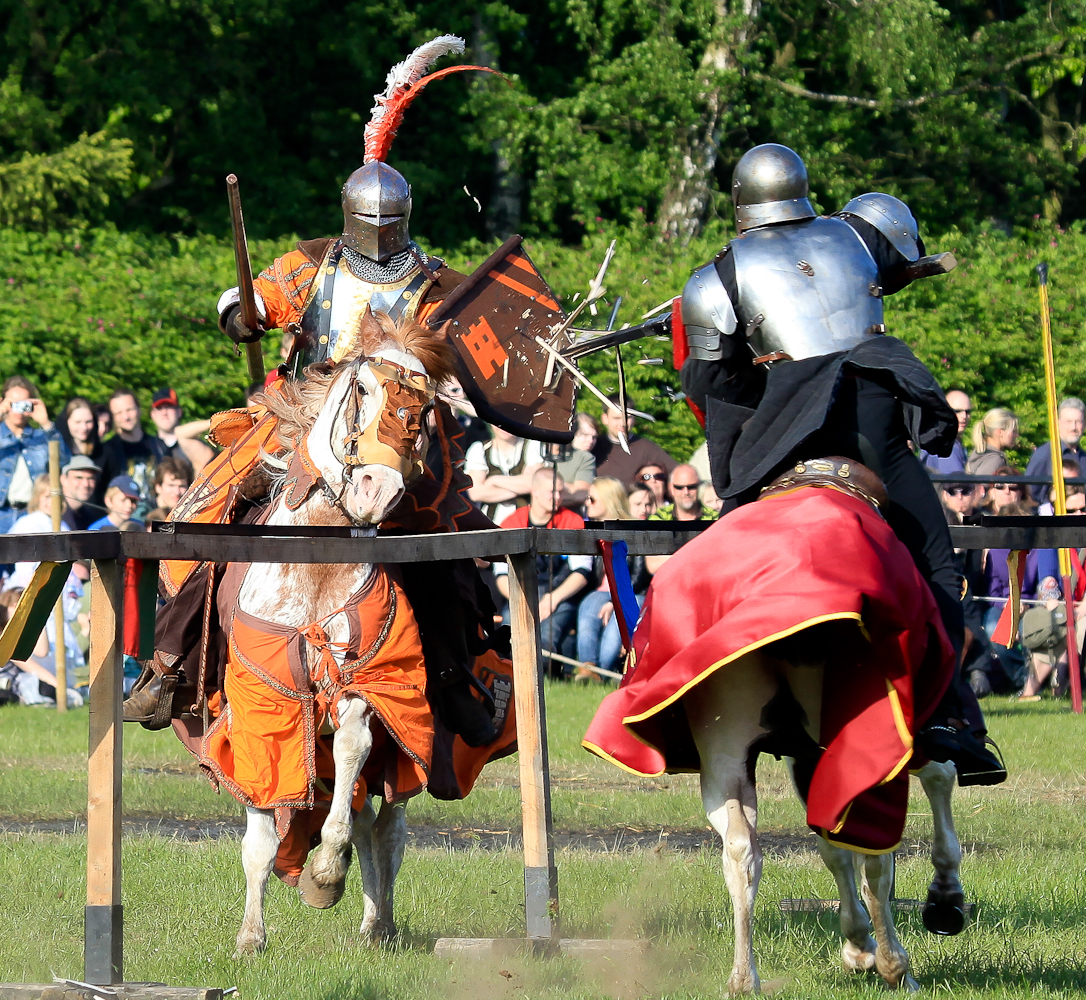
(127, 485)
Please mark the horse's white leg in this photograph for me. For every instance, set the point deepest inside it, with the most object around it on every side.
(258, 849)
(891, 959)
(944, 912)
(387, 837)
(858, 951)
(724, 719)
(350, 747)
(363, 845)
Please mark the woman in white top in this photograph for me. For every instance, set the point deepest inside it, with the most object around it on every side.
(38, 520)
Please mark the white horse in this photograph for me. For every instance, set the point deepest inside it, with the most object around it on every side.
(359, 424)
(725, 714)
(796, 623)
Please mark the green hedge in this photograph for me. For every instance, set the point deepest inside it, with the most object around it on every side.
(85, 312)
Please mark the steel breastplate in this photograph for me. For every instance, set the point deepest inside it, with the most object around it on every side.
(337, 303)
(807, 289)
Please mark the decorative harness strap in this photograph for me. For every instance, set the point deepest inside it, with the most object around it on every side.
(389, 439)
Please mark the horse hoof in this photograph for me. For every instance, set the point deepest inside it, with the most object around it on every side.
(320, 897)
(249, 947)
(378, 935)
(944, 914)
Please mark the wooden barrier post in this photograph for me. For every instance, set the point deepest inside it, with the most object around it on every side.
(103, 927)
(540, 874)
(60, 649)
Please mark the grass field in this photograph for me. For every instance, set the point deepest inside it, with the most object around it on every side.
(1025, 869)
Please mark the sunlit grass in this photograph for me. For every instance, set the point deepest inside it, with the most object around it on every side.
(1025, 869)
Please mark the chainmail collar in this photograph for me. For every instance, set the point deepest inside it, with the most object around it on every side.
(396, 268)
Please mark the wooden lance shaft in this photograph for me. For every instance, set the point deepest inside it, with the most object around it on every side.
(1059, 501)
(60, 651)
(254, 356)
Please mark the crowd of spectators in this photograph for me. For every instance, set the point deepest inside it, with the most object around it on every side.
(114, 476)
(119, 476)
(519, 483)
(1039, 659)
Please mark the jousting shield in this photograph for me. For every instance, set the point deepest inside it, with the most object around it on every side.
(495, 316)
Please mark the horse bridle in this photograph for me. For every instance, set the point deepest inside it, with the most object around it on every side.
(375, 443)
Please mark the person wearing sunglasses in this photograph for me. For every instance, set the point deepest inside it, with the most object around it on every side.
(962, 406)
(685, 484)
(654, 476)
(1000, 494)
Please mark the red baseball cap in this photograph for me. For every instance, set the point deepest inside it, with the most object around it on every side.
(164, 397)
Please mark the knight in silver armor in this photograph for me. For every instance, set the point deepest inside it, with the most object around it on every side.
(806, 285)
(789, 358)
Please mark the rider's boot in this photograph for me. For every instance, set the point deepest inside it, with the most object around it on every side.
(463, 713)
(972, 754)
(956, 732)
(151, 700)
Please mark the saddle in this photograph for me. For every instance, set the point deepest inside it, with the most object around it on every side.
(830, 472)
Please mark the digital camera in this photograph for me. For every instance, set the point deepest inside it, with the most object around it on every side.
(23, 406)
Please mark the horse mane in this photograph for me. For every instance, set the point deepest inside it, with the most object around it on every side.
(298, 402)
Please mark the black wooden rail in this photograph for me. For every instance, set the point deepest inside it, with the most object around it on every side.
(232, 543)
(103, 959)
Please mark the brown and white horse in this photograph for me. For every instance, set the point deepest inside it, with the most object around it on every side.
(358, 426)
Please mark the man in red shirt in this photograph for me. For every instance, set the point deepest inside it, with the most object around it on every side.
(560, 578)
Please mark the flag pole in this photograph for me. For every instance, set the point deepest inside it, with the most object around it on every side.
(1059, 501)
(60, 651)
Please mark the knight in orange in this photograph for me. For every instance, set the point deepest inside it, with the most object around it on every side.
(320, 294)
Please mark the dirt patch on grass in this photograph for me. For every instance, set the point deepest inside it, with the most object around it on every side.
(603, 840)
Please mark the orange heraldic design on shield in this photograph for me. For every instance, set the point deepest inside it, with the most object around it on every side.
(484, 347)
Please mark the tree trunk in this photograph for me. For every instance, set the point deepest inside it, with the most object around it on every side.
(686, 201)
(503, 208)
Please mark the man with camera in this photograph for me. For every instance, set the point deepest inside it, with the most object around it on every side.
(24, 450)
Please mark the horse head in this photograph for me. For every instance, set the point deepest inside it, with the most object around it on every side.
(358, 425)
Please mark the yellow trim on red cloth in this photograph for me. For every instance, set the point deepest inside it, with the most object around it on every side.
(732, 657)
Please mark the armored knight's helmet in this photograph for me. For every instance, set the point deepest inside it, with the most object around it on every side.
(891, 217)
(377, 198)
(769, 184)
(376, 209)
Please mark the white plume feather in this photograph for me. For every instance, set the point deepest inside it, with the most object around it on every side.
(416, 65)
(406, 74)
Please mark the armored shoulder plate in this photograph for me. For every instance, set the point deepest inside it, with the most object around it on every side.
(891, 217)
(707, 313)
(807, 289)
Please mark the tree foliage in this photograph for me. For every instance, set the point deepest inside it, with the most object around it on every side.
(620, 109)
(43, 189)
(85, 312)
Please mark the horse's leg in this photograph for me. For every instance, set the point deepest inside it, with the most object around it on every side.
(891, 959)
(258, 849)
(858, 951)
(724, 719)
(386, 837)
(325, 876)
(363, 844)
(944, 912)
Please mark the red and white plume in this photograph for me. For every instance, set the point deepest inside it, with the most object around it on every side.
(402, 85)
